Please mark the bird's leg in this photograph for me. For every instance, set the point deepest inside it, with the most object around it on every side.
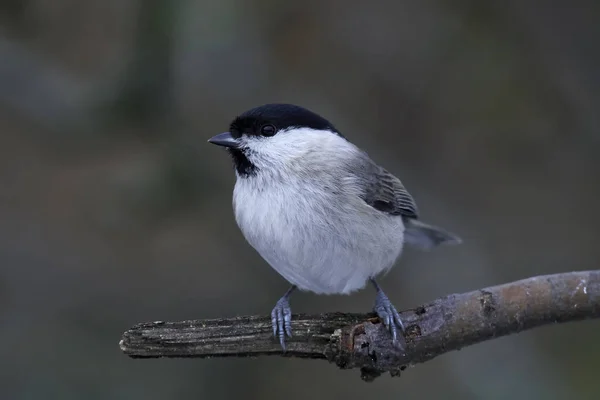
(281, 317)
(387, 313)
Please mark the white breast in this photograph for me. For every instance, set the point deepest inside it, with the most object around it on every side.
(323, 245)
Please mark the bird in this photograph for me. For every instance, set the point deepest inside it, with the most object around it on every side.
(319, 210)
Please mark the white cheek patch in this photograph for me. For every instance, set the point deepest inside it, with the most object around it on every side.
(288, 146)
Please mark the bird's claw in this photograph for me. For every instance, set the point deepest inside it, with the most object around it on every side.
(281, 318)
(386, 311)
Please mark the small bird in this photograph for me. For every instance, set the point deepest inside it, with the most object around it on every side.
(318, 209)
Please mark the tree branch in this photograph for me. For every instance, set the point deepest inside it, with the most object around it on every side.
(361, 341)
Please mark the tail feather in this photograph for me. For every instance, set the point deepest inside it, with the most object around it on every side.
(425, 237)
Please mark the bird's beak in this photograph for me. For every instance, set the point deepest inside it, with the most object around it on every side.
(224, 139)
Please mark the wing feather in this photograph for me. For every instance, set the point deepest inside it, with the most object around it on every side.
(384, 192)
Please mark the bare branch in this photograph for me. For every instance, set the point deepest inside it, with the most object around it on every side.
(360, 340)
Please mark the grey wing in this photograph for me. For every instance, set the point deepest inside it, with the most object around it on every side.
(386, 193)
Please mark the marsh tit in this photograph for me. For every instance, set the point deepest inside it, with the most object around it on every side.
(318, 209)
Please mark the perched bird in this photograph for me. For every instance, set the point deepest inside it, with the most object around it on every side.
(318, 209)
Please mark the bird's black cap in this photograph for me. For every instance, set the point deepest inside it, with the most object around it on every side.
(281, 116)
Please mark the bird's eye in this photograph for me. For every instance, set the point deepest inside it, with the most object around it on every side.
(268, 130)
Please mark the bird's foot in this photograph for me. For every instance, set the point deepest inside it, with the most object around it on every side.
(281, 318)
(386, 311)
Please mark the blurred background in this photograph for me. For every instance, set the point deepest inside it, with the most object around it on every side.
(114, 210)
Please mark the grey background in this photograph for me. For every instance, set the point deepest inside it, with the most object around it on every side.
(114, 210)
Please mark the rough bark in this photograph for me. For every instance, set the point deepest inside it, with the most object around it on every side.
(361, 341)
